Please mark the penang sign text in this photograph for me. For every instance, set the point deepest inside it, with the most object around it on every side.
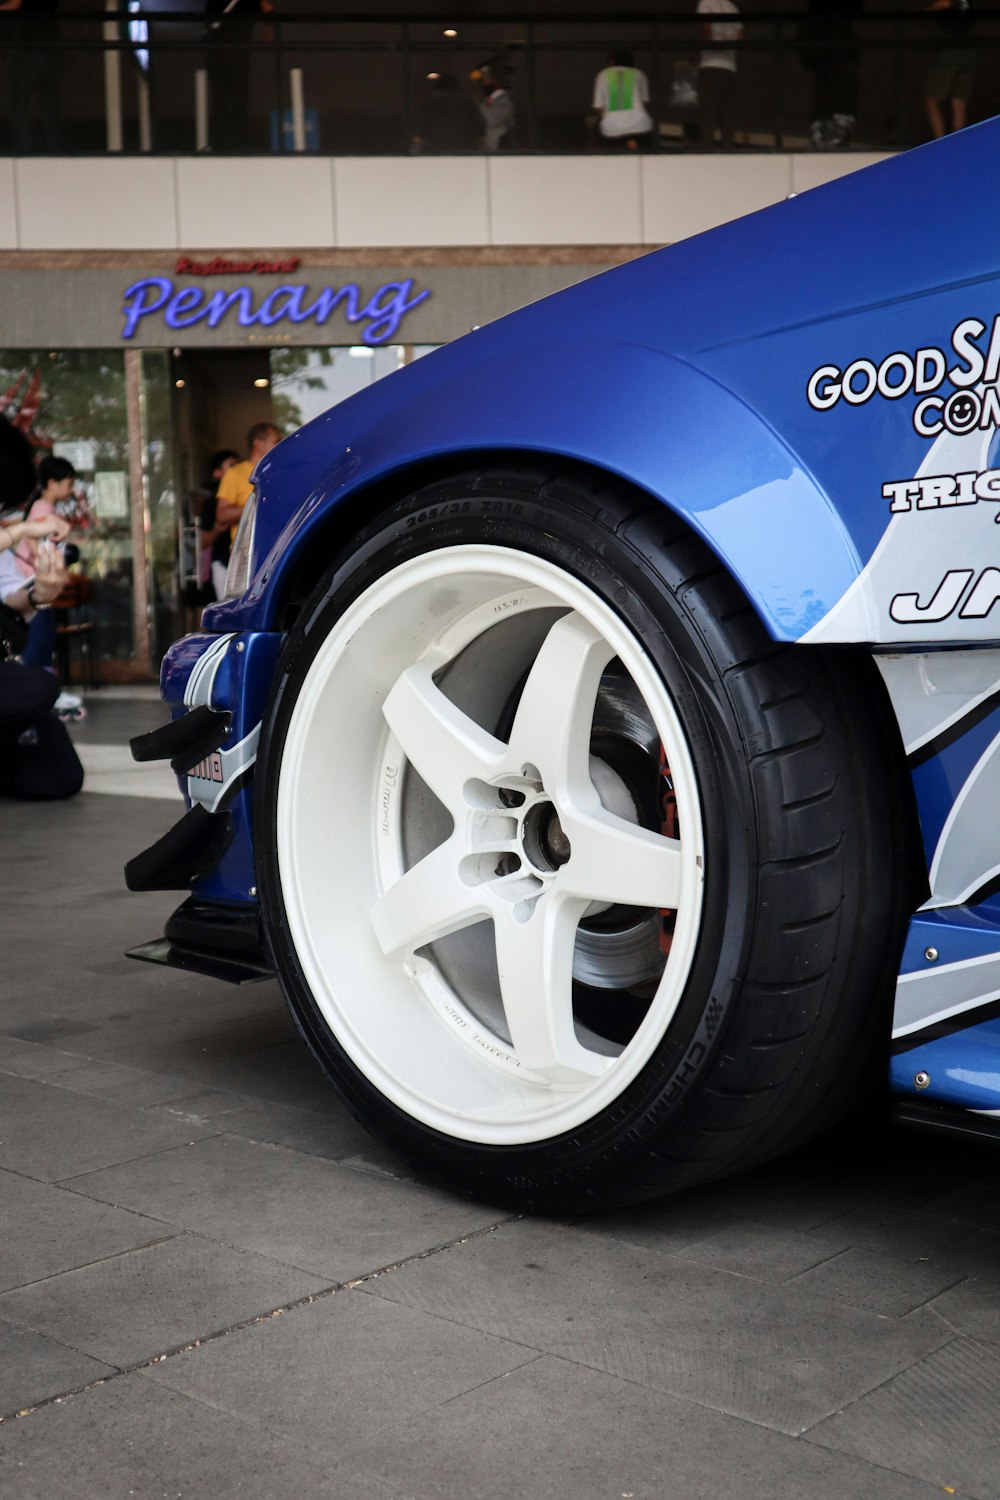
(182, 307)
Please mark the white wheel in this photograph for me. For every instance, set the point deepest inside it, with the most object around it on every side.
(577, 885)
(456, 862)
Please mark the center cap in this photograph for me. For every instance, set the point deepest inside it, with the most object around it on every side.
(545, 844)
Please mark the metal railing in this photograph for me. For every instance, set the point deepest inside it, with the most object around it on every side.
(127, 80)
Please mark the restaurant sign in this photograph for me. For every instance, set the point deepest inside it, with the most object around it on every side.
(295, 302)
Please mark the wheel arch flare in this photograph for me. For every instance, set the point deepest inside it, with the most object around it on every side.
(638, 415)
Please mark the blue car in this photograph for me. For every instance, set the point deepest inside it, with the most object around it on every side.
(600, 740)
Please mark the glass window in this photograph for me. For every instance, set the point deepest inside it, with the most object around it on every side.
(71, 403)
(305, 382)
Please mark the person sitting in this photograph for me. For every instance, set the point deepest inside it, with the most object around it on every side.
(37, 759)
(57, 479)
(621, 94)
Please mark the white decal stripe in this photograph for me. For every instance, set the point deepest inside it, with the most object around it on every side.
(927, 996)
(931, 691)
(968, 853)
(202, 680)
(234, 762)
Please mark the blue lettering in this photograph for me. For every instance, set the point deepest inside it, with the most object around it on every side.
(387, 308)
(137, 307)
(384, 310)
(272, 311)
(220, 302)
(179, 312)
(327, 301)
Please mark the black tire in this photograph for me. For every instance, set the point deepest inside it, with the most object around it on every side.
(785, 1014)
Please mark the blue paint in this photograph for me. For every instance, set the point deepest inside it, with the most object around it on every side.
(241, 686)
(181, 308)
(964, 1068)
(957, 932)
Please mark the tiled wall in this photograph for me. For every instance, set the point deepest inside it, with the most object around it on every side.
(157, 203)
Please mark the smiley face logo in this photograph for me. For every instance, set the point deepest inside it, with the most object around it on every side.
(961, 412)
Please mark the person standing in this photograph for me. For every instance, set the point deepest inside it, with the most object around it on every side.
(952, 73)
(717, 72)
(213, 535)
(230, 33)
(497, 110)
(621, 99)
(234, 486)
(36, 74)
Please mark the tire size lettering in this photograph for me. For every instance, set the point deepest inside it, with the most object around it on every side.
(439, 512)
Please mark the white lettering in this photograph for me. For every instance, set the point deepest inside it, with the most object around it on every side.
(962, 341)
(895, 389)
(983, 596)
(869, 374)
(906, 609)
(924, 427)
(822, 400)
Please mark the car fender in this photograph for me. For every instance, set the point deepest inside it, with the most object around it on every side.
(647, 417)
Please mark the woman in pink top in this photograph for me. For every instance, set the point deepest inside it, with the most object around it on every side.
(56, 478)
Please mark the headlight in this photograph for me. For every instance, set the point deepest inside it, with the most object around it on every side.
(241, 557)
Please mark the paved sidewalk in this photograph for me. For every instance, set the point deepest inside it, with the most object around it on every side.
(213, 1283)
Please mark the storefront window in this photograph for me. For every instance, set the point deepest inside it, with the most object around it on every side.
(307, 382)
(159, 479)
(71, 403)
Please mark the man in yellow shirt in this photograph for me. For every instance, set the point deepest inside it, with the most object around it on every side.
(234, 486)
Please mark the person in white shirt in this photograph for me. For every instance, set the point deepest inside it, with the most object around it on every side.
(621, 96)
(717, 72)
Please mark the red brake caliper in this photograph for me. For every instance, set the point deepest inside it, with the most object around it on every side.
(670, 825)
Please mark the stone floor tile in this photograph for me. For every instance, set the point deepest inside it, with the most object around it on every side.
(294, 1208)
(383, 1162)
(307, 1375)
(881, 1283)
(52, 1134)
(793, 1199)
(45, 1230)
(909, 1235)
(938, 1420)
(32, 1060)
(976, 1254)
(669, 1227)
(758, 1250)
(34, 1368)
(555, 1431)
(121, 1085)
(132, 1306)
(973, 1308)
(132, 1438)
(974, 1203)
(332, 1133)
(773, 1355)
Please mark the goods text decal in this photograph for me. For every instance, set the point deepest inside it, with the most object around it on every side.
(973, 360)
